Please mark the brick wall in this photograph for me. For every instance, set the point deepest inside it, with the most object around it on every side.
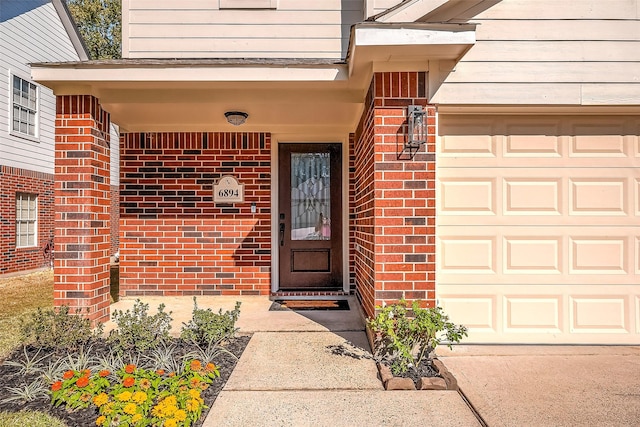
(395, 196)
(364, 199)
(13, 181)
(174, 240)
(352, 215)
(82, 204)
(115, 216)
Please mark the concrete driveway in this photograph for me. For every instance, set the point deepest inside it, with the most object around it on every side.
(549, 385)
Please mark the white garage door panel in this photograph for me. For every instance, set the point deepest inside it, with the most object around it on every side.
(472, 254)
(539, 196)
(538, 227)
(517, 313)
(547, 141)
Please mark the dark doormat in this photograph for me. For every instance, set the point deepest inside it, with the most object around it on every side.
(303, 305)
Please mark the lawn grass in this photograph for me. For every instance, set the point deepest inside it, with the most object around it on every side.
(19, 296)
(30, 419)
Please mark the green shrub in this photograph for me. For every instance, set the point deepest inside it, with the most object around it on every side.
(403, 341)
(207, 327)
(138, 331)
(58, 329)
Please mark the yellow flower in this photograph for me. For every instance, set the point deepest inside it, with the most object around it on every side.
(157, 411)
(108, 408)
(194, 393)
(139, 397)
(170, 410)
(100, 399)
(136, 418)
(170, 400)
(170, 423)
(130, 408)
(193, 405)
(125, 396)
(101, 419)
(180, 415)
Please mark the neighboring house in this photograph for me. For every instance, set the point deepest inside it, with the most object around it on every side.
(478, 154)
(31, 31)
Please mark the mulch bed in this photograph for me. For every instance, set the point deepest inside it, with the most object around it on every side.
(86, 418)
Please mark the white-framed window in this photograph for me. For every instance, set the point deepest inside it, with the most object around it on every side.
(26, 220)
(24, 107)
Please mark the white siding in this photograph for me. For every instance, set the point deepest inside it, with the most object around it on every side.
(30, 31)
(200, 29)
(551, 52)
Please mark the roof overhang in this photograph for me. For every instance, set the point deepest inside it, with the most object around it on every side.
(280, 96)
(434, 11)
(406, 47)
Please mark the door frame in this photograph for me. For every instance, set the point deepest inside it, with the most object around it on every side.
(308, 139)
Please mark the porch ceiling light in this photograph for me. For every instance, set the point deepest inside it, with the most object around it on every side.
(236, 118)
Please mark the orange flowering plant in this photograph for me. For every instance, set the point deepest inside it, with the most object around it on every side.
(135, 396)
(76, 389)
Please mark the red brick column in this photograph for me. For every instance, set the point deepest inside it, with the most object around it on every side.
(395, 196)
(82, 201)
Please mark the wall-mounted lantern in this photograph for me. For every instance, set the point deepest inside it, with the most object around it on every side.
(417, 131)
(236, 118)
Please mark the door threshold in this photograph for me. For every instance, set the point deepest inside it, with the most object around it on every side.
(309, 295)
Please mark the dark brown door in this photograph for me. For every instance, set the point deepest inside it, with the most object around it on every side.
(310, 216)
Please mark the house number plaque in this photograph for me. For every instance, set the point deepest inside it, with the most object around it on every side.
(228, 190)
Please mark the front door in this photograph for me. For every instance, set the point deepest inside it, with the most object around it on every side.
(310, 216)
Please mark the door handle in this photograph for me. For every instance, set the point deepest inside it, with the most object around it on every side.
(282, 234)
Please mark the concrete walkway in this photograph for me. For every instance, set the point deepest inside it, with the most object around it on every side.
(314, 368)
(311, 368)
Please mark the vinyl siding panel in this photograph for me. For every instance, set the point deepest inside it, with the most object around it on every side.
(30, 31)
(199, 28)
(556, 52)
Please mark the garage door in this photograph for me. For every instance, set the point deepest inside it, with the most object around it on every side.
(538, 227)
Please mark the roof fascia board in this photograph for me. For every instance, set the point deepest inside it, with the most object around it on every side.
(72, 29)
(459, 10)
(409, 10)
(409, 34)
(80, 73)
(435, 10)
